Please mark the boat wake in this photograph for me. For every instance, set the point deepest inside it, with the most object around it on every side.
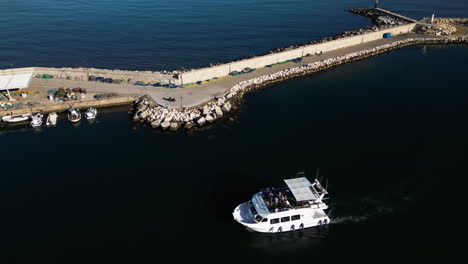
(349, 219)
(367, 209)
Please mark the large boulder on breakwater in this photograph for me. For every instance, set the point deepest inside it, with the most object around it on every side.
(156, 123)
(201, 121)
(226, 107)
(174, 126)
(165, 125)
(218, 111)
(189, 125)
(141, 107)
(209, 118)
(205, 110)
(143, 114)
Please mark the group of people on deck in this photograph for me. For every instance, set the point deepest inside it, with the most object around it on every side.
(278, 202)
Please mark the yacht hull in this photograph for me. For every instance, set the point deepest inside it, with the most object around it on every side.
(309, 218)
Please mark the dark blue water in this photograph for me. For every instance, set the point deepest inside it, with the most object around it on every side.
(157, 35)
(389, 132)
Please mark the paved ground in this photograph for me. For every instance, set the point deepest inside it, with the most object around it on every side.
(197, 95)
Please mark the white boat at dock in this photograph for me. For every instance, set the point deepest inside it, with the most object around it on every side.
(74, 115)
(52, 119)
(91, 113)
(37, 120)
(16, 118)
(275, 210)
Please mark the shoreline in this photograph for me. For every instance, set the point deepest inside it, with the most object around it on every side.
(218, 107)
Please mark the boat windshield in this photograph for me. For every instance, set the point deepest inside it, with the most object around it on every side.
(259, 206)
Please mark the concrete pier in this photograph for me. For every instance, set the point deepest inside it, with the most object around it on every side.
(211, 98)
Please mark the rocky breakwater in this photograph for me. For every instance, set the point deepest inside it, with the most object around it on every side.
(447, 20)
(160, 117)
(437, 29)
(241, 88)
(173, 119)
(379, 18)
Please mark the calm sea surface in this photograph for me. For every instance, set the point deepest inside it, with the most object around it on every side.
(389, 133)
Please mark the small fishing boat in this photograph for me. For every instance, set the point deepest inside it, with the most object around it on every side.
(74, 115)
(275, 210)
(51, 119)
(91, 113)
(37, 120)
(16, 118)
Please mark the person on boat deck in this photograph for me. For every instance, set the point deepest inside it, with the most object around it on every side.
(284, 198)
(276, 201)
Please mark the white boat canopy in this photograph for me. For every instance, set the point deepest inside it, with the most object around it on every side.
(15, 81)
(301, 189)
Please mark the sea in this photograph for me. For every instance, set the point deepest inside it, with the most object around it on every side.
(388, 134)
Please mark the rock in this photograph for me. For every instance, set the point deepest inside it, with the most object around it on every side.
(169, 118)
(221, 100)
(218, 111)
(189, 125)
(174, 127)
(165, 125)
(201, 121)
(209, 118)
(156, 123)
(143, 114)
(226, 107)
(205, 110)
(141, 107)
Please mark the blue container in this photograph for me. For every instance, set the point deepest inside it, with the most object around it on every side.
(387, 35)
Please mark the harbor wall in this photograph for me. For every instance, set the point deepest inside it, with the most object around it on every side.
(82, 74)
(215, 71)
(261, 61)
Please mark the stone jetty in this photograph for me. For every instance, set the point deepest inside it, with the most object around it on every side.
(172, 119)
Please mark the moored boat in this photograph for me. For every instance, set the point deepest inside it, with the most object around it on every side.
(37, 120)
(91, 113)
(51, 119)
(16, 118)
(275, 210)
(74, 115)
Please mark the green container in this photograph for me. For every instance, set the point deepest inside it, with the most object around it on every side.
(47, 76)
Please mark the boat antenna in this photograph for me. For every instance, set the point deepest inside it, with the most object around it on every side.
(316, 176)
(326, 185)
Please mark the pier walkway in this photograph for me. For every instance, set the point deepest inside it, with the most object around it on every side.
(197, 95)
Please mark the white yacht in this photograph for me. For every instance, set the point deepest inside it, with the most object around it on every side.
(299, 205)
(91, 113)
(37, 120)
